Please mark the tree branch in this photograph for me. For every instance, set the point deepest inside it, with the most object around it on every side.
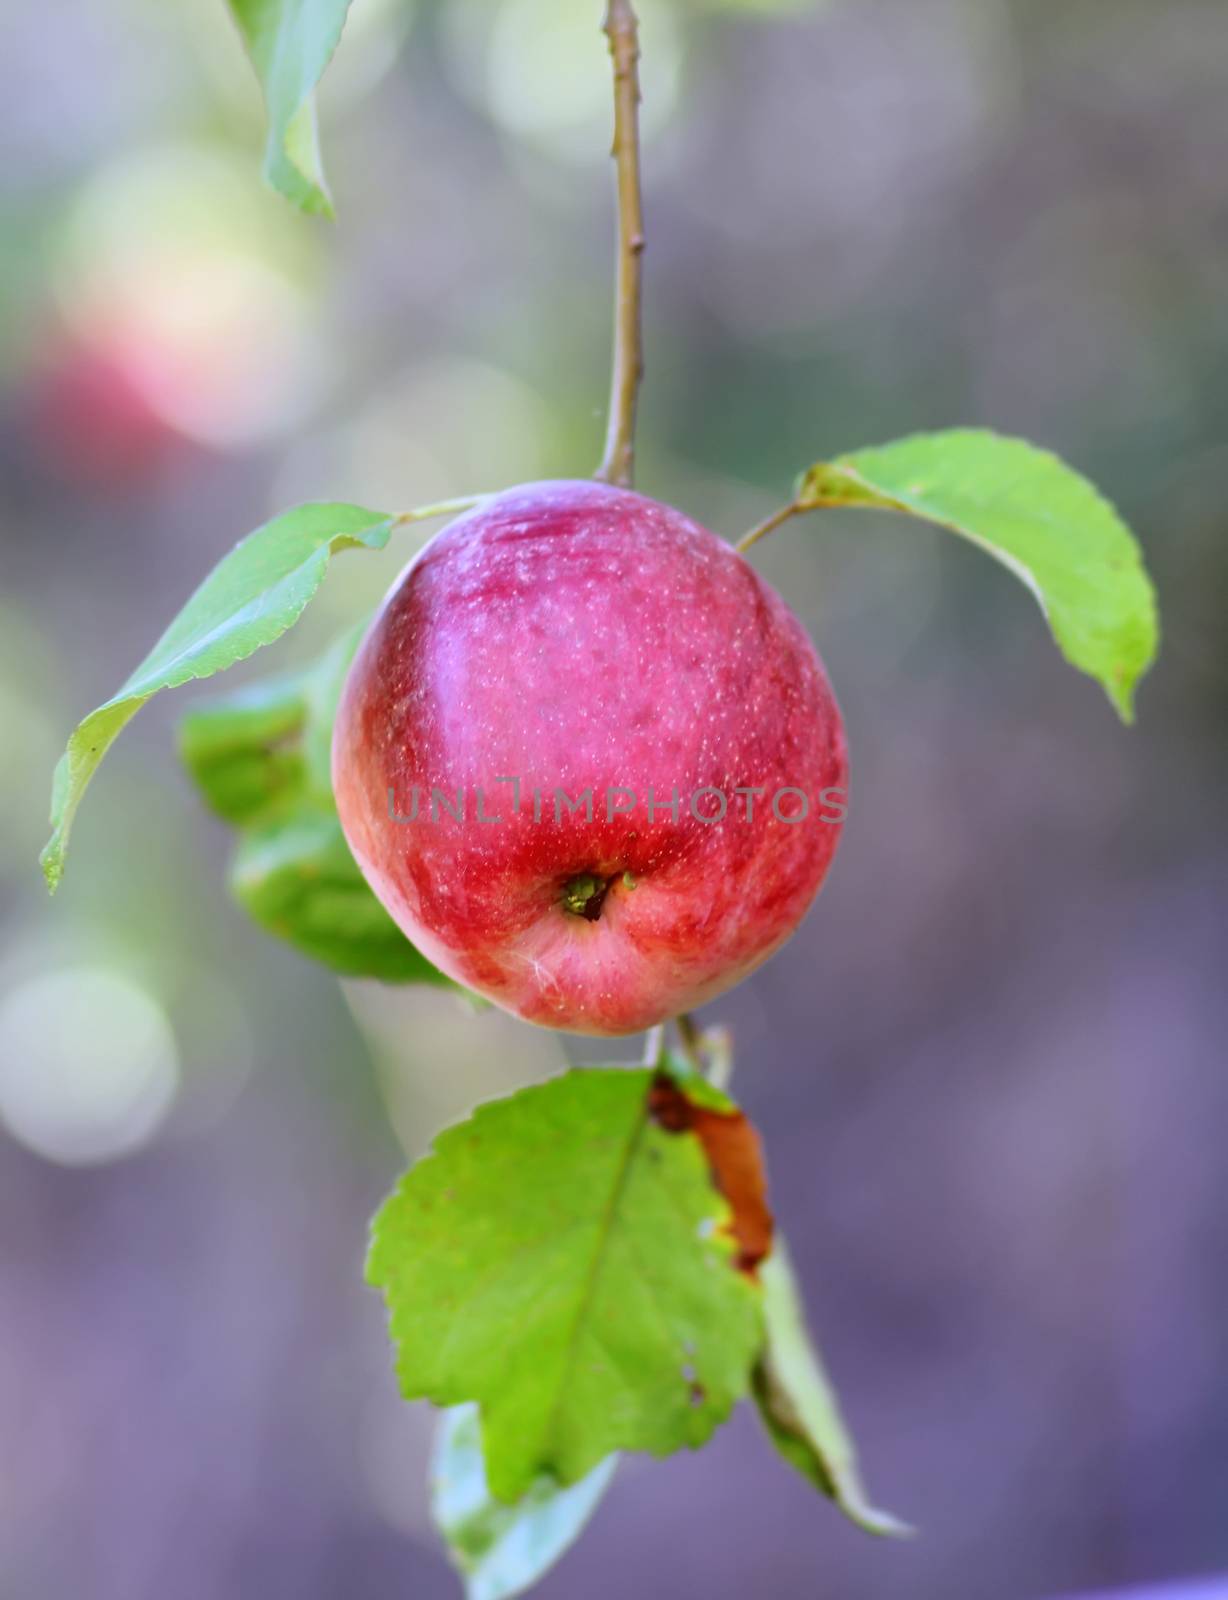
(618, 463)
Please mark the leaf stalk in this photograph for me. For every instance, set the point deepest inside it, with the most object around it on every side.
(769, 525)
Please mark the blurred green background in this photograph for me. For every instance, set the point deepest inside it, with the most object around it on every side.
(989, 1069)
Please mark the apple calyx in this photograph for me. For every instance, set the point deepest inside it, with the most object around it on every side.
(584, 895)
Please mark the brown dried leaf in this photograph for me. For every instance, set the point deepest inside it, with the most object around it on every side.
(735, 1156)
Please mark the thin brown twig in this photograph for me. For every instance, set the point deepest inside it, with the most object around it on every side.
(618, 462)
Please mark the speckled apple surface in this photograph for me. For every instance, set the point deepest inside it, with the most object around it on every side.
(579, 637)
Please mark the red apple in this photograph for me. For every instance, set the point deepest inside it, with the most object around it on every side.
(571, 643)
(91, 421)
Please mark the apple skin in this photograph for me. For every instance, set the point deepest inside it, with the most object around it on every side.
(579, 636)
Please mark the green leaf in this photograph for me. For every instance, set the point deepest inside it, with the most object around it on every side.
(290, 43)
(261, 759)
(567, 1262)
(249, 599)
(502, 1550)
(798, 1404)
(296, 878)
(245, 750)
(259, 751)
(1034, 514)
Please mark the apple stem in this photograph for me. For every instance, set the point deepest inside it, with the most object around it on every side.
(622, 31)
(709, 1050)
(692, 1040)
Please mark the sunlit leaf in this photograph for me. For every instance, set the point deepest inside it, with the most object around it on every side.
(249, 599)
(290, 43)
(798, 1404)
(1035, 515)
(567, 1261)
(501, 1550)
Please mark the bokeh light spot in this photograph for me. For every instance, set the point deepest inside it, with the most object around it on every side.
(547, 78)
(201, 306)
(89, 1066)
